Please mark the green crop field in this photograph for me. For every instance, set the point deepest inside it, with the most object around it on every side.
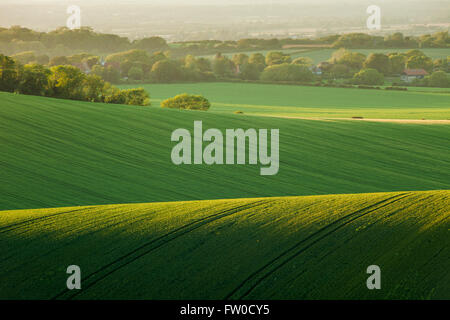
(315, 247)
(99, 190)
(64, 153)
(310, 102)
(429, 89)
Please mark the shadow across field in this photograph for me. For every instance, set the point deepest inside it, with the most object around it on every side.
(273, 248)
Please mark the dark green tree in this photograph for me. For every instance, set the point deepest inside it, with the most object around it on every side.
(379, 62)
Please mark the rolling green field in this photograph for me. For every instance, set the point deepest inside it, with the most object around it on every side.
(67, 153)
(310, 102)
(319, 55)
(112, 202)
(316, 247)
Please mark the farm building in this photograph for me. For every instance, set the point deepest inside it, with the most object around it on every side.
(410, 75)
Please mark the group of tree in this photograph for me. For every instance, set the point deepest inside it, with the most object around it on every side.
(65, 41)
(437, 79)
(65, 82)
(275, 66)
(138, 66)
(373, 68)
(396, 40)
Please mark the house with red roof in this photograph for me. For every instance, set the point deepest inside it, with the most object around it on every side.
(410, 75)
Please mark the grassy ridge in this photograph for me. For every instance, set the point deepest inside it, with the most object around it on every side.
(63, 153)
(303, 101)
(284, 248)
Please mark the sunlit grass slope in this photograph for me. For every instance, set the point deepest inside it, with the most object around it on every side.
(312, 102)
(58, 153)
(314, 247)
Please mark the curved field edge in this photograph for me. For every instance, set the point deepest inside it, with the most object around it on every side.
(57, 153)
(313, 247)
(278, 100)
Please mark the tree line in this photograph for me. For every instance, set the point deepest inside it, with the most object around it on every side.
(64, 41)
(372, 69)
(348, 41)
(395, 40)
(137, 66)
(65, 82)
(275, 66)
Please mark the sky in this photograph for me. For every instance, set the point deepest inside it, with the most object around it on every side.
(190, 2)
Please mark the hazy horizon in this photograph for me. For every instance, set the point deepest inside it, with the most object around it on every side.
(178, 20)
